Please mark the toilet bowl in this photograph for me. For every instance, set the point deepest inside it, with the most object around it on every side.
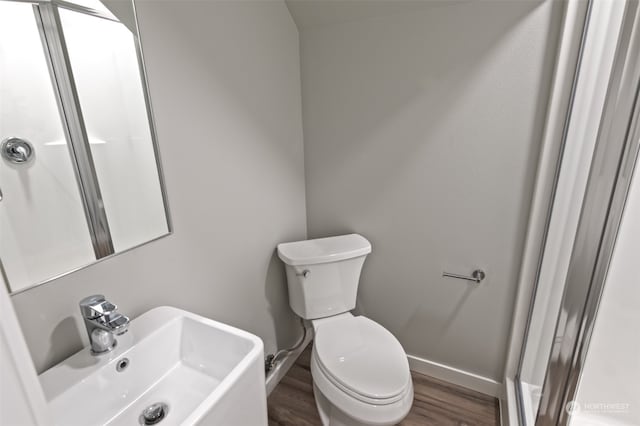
(360, 371)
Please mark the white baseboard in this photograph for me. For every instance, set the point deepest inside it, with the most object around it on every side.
(282, 367)
(456, 376)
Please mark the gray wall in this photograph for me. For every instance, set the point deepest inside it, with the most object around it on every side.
(422, 132)
(225, 86)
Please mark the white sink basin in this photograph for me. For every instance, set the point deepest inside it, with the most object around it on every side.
(205, 371)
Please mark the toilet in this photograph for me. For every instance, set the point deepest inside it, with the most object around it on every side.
(360, 371)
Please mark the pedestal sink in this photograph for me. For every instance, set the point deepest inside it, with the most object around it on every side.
(183, 369)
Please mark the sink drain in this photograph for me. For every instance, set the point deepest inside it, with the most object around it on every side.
(122, 364)
(154, 413)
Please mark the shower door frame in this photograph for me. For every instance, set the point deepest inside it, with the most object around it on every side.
(615, 155)
(62, 79)
(613, 163)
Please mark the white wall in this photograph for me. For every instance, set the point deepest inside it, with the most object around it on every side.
(422, 131)
(225, 86)
(612, 368)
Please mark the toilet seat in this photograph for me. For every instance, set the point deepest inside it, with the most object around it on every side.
(362, 359)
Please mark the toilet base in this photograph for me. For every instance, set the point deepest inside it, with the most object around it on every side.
(332, 412)
(330, 415)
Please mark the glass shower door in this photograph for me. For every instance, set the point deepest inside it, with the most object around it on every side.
(35, 246)
(608, 391)
(563, 359)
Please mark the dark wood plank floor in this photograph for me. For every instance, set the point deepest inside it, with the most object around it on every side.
(436, 403)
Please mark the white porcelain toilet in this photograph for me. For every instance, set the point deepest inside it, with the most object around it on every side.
(360, 371)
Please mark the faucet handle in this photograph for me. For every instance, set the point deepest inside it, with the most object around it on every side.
(106, 308)
(119, 324)
(96, 306)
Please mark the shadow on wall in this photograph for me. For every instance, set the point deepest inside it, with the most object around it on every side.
(274, 285)
(65, 340)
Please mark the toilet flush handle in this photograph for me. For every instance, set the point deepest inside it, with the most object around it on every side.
(304, 273)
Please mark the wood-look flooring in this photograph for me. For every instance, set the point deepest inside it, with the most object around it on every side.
(436, 403)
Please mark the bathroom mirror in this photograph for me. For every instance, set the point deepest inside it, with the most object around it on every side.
(80, 176)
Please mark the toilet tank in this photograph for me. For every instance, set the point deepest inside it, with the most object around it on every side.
(323, 274)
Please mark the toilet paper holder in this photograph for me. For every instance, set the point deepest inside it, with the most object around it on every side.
(476, 276)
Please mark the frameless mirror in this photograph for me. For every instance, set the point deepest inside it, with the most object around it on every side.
(80, 176)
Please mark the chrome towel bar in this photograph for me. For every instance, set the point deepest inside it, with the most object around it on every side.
(476, 276)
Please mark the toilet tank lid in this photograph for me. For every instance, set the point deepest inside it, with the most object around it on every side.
(324, 250)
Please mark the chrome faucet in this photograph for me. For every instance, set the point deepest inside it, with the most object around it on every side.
(103, 323)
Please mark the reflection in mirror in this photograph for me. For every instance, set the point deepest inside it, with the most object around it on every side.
(74, 89)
